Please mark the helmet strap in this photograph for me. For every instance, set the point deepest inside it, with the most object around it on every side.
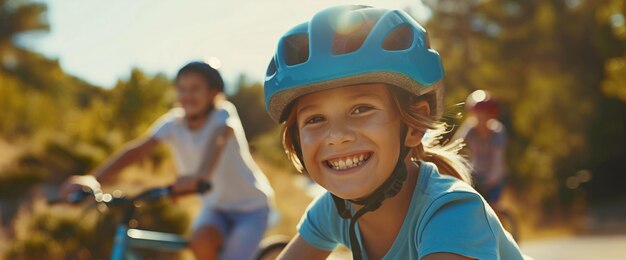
(390, 188)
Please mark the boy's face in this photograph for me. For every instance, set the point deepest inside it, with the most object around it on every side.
(349, 138)
(193, 94)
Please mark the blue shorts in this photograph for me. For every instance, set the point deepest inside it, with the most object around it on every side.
(241, 231)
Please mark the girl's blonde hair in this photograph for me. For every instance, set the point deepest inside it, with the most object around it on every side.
(444, 155)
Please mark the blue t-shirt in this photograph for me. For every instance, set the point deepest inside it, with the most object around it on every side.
(446, 215)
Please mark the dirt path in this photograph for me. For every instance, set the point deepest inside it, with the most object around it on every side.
(577, 247)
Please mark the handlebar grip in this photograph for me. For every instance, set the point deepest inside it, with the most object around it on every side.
(154, 194)
(78, 196)
(74, 197)
(52, 201)
(203, 186)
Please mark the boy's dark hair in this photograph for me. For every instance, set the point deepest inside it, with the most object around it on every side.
(210, 74)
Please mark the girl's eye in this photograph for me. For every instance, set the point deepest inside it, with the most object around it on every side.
(362, 109)
(313, 120)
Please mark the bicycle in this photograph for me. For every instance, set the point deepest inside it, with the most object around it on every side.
(128, 240)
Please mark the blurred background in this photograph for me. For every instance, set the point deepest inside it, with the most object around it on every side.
(78, 78)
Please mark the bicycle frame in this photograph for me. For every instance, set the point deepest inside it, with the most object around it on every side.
(127, 238)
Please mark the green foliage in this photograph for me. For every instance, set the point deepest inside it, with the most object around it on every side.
(86, 232)
(139, 101)
(251, 108)
(54, 234)
(269, 147)
(615, 83)
(16, 182)
(20, 16)
(544, 60)
(12, 106)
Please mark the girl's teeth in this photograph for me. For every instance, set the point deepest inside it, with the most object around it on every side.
(347, 163)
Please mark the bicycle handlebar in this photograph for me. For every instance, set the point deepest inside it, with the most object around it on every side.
(148, 195)
(73, 198)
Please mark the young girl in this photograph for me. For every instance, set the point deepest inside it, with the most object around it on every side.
(356, 88)
(208, 142)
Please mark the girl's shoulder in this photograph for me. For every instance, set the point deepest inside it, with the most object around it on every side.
(434, 184)
(439, 191)
(453, 215)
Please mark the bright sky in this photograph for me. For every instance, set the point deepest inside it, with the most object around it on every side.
(100, 41)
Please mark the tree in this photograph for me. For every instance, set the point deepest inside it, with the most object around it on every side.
(137, 102)
(251, 108)
(546, 61)
(19, 16)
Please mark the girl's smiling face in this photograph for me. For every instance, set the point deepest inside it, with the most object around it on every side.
(350, 138)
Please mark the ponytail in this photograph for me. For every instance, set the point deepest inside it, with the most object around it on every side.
(445, 157)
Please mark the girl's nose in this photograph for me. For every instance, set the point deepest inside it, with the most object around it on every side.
(339, 133)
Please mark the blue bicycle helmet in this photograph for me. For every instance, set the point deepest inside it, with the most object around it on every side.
(348, 45)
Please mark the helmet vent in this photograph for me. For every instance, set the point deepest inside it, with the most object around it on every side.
(399, 39)
(271, 68)
(296, 49)
(350, 36)
(347, 43)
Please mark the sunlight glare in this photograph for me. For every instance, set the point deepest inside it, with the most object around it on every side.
(479, 95)
(214, 62)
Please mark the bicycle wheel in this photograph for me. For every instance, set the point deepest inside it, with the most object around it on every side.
(271, 247)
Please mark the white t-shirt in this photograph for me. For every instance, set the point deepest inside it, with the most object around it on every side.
(238, 183)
